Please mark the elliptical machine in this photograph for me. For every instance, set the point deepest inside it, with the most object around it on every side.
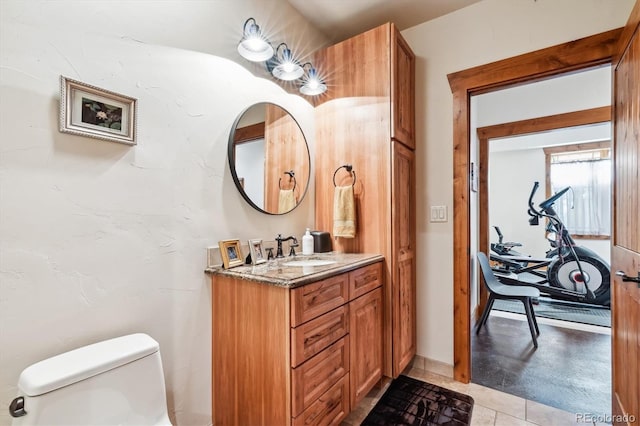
(568, 272)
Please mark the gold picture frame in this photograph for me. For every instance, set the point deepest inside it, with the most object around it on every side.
(231, 253)
(87, 110)
(256, 248)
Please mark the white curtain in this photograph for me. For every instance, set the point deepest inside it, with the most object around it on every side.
(591, 197)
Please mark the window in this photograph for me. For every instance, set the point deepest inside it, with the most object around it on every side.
(586, 168)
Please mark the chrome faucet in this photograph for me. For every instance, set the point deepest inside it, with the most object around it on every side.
(293, 245)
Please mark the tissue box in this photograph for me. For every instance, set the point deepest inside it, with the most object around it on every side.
(321, 241)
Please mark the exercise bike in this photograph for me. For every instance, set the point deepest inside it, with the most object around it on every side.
(567, 272)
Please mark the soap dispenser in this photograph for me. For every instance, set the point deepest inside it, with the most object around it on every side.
(307, 243)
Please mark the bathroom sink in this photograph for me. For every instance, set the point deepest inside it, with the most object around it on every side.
(309, 262)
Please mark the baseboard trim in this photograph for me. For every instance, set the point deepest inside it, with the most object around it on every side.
(433, 366)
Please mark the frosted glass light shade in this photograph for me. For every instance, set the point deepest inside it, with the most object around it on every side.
(253, 46)
(287, 69)
(313, 88)
(313, 85)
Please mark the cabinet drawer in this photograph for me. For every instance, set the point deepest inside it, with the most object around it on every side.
(330, 409)
(315, 335)
(313, 300)
(318, 375)
(364, 280)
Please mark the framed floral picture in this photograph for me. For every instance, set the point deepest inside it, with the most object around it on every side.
(231, 253)
(90, 111)
(257, 252)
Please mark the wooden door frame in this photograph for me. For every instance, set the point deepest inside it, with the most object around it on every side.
(520, 128)
(538, 65)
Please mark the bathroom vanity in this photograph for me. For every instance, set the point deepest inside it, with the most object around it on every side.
(296, 341)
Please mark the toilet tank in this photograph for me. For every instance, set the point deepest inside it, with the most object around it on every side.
(114, 382)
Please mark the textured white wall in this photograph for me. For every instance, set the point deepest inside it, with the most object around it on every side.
(567, 93)
(100, 239)
(511, 176)
(481, 33)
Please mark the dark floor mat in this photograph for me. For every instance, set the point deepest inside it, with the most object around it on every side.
(561, 310)
(409, 401)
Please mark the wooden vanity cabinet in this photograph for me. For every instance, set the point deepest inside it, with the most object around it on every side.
(302, 356)
(367, 119)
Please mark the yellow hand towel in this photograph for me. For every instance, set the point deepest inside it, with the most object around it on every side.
(286, 200)
(344, 212)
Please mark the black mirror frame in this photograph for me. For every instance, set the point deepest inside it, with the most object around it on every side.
(232, 165)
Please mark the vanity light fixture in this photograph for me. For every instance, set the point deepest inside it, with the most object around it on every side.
(312, 84)
(281, 62)
(285, 67)
(254, 46)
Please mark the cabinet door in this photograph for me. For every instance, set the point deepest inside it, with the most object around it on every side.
(403, 263)
(366, 343)
(402, 90)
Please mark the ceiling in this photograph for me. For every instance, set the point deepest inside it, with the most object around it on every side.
(341, 19)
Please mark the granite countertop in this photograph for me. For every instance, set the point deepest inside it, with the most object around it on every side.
(274, 272)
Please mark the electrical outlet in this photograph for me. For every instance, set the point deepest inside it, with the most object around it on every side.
(438, 214)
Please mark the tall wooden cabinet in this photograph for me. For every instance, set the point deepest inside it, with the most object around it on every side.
(366, 119)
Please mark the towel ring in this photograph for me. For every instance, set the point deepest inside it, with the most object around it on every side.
(292, 175)
(349, 168)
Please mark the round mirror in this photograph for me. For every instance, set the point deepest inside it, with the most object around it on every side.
(269, 158)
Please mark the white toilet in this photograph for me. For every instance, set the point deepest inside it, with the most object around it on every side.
(115, 382)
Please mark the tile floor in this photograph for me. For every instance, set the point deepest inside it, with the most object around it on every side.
(491, 407)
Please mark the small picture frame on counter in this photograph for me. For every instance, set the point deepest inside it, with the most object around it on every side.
(231, 253)
(256, 248)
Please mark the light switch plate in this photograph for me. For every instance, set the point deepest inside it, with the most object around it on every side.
(438, 214)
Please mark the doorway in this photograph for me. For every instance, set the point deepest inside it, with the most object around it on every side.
(503, 356)
(576, 55)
